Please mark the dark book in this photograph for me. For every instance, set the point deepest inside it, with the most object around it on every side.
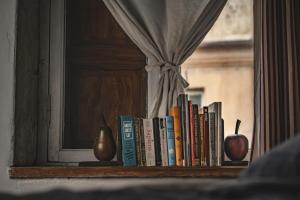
(222, 140)
(157, 141)
(128, 140)
(206, 135)
(192, 133)
(202, 143)
(137, 122)
(196, 140)
(188, 133)
(212, 139)
(182, 109)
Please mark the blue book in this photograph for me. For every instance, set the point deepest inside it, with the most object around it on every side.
(170, 141)
(128, 141)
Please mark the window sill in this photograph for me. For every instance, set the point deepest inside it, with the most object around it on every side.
(117, 171)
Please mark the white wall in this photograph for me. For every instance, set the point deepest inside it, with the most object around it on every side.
(7, 68)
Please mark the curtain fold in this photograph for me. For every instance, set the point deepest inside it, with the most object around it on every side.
(167, 32)
(277, 67)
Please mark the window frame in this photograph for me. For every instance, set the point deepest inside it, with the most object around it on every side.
(56, 152)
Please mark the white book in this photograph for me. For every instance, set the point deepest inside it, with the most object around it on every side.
(163, 141)
(149, 142)
(216, 107)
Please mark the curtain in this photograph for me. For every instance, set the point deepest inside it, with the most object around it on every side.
(277, 73)
(167, 32)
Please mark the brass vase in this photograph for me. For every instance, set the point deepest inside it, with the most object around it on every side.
(104, 147)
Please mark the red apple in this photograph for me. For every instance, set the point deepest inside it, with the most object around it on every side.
(236, 146)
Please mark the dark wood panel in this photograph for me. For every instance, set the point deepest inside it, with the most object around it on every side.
(99, 55)
(94, 172)
(94, 92)
(104, 73)
(89, 22)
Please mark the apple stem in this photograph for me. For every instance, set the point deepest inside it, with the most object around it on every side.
(237, 126)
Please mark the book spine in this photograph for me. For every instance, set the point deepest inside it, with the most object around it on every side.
(222, 143)
(220, 135)
(163, 141)
(206, 136)
(202, 145)
(181, 105)
(175, 113)
(171, 142)
(196, 137)
(149, 142)
(188, 133)
(157, 141)
(192, 133)
(137, 140)
(143, 154)
(119, 139)
(128, 141)
(212, 144)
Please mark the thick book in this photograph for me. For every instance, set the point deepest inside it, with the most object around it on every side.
(206, 135)
(182, 108)
(163, 141)
(196, 138)
(128, 141)
(149, 142)
(157, 141)
(212, 139)
(202, 143)
(216, 107)
(171, 141)
(175, 113)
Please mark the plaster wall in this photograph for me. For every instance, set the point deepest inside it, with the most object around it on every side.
(7, 84)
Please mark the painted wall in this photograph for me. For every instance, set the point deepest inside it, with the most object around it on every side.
(7, 69)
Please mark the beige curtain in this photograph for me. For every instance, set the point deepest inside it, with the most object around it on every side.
(277, 73)
(167, 32)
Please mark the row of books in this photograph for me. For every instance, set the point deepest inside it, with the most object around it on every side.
(188, 136)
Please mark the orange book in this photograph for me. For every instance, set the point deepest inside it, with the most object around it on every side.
(175, 113)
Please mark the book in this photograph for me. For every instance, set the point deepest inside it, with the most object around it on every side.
(188, 134)
(182, 108)
(202, 145)
(128, 141)
(196, 140)
(212, 139)
(175, 113)
(216, 107)
(157, 141)
(163, 142)
(171, 141)
(192, 133)
(206, 136)
(137, 124)
(149, 142)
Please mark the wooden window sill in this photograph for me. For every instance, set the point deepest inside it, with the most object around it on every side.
(117, 171)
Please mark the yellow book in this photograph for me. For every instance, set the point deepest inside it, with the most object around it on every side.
(175, 113)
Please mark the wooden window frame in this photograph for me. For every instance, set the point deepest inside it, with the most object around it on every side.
(56, 152)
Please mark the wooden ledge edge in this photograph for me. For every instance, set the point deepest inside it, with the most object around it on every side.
(39, 172)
